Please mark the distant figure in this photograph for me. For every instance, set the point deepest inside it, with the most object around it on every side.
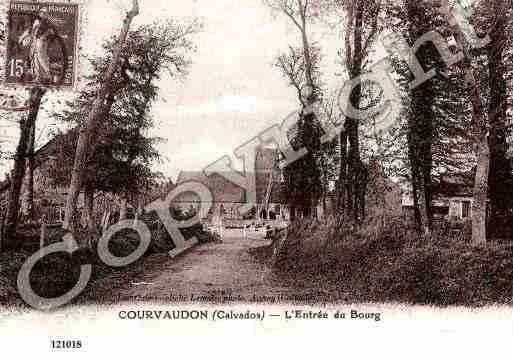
(217, 221)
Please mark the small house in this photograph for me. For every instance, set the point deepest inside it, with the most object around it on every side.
(452, 197)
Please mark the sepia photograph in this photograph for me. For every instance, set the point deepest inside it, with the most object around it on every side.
(256, 172)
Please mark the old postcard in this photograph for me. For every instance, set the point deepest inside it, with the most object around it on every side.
(293, 178)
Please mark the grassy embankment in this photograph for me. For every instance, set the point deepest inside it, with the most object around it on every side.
(56, 274)
(391, 263)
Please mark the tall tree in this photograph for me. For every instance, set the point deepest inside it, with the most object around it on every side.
(292, 66)
(361, 26)
(89, 127)
(300, 13)
(494, 18)
(303, 184)
(303, 176)
(435, 108)
(421, 120)
(479, 128)
(26, 126)
(153, 49)
(28, 200)
(123, 152)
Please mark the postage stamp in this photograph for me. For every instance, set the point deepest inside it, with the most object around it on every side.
(42, 44)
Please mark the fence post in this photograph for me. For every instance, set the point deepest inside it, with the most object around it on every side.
(42, 238)
(106, 220)
(102, 224)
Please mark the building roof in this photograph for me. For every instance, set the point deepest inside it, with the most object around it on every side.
(224, 190)
(43, 154)
(447, 186)
(455, 185)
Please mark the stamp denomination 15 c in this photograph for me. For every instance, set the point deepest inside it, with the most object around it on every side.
(42, 44)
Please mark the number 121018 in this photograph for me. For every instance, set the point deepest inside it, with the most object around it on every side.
(66, 344)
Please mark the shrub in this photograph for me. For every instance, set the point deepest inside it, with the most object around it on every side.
(386, 261)
(56, 274)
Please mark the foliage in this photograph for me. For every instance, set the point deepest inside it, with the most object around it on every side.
(124, 153)
(292, 66)
(301, 68)
(387, 261)
(493, 19)
(303, 177)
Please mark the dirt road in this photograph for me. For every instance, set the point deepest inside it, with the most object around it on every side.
(214, 272)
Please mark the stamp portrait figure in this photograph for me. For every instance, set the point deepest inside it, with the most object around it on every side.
(37, 38)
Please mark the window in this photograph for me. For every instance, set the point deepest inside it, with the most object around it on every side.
(465, 209)
(277, 210)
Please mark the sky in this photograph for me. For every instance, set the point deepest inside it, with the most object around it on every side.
(232, 92)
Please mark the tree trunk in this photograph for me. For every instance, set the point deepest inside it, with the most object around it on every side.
(424, 210)
(352, 126)
(28, 205)
(420, 124)
(88, 128)
(420, 177)
(483, 166)
(12, 216)
(415, 179)
(427, 190)
(342, 179)
(423, 144)
(480, 193)
(420, 162)
(306, 49)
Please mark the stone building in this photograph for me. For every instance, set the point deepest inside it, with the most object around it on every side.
(228, 197)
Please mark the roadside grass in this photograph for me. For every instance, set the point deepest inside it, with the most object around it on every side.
(389, 262)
